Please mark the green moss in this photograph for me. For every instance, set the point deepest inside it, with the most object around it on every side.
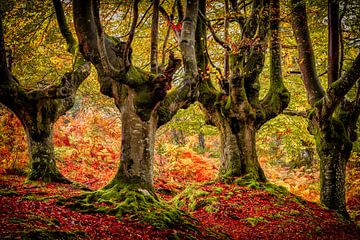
(37, 198)
(44, 234)
(228, 103)
(8, 193)
(266, 186)
(254, 221)
(191, 198)
(134, 201)
(137, 76)
(218, 190)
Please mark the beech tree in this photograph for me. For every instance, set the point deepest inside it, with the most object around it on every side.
(140, 96)
(332, 116)
(236, 109)
(39, 109)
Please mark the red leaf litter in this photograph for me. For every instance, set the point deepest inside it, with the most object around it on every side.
(240, 213)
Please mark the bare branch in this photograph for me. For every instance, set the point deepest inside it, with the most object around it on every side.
(132, 31)
(154, 37)
(290, 112)
(306, 53)
(64, 28)
(213, 33)
(339, 89)
(4, 72)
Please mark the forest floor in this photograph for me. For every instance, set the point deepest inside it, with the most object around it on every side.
(86, 154)
(30, 211)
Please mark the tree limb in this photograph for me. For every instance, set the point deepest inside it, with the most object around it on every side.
(63, 26)
(290, 112)
(154, 37)
(213, 33)
(278, 97)
(4, 72)
(306, 53)
(337, 90)
(184, 95)
(132, 31)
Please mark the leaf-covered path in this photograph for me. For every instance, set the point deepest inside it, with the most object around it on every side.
(29, 211)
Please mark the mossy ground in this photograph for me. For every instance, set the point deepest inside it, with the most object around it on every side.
(242, 209)
(131, 201)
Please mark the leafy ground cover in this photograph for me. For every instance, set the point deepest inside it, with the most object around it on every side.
(30, 211)
(184, 177)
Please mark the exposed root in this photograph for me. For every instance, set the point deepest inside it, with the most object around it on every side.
(132, 201)
(49, 176)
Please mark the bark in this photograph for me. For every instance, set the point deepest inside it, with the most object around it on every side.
(187, 43)
(41, 151)
(278, 97)
(226, 40)
(137, 146)
(334, 148)
(187, 92)
(337, 91)
(239, 156)
(333, 41)
(154, 36)
(306, 53)
(201, 141)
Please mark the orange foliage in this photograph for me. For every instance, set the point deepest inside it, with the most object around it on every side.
(13, 154)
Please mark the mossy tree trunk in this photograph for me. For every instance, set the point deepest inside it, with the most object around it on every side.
(332, 115)
(137, 146)
(38, 120)
(238, 144)
(334, 148)
(39, 109)
(237, 110)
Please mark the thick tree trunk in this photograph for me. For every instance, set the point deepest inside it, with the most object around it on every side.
(334, 149)
(41, 153)
(137, 147)
(239, 156)
(38, 119)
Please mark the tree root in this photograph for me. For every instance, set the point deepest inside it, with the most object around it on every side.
(55, 176)
(132, 201)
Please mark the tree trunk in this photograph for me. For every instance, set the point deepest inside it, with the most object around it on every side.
(239, 156)
(137, 147)
(201, 141)
(39, 133)
(334, 149)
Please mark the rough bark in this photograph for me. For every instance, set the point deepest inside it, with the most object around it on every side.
(334, 148)
(239, 156)
(39, 109)
(41, 153)
(137, 146)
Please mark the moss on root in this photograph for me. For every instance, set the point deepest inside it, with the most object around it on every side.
(191, 198)
(48, 176)
(132, 201)
(46, 234)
